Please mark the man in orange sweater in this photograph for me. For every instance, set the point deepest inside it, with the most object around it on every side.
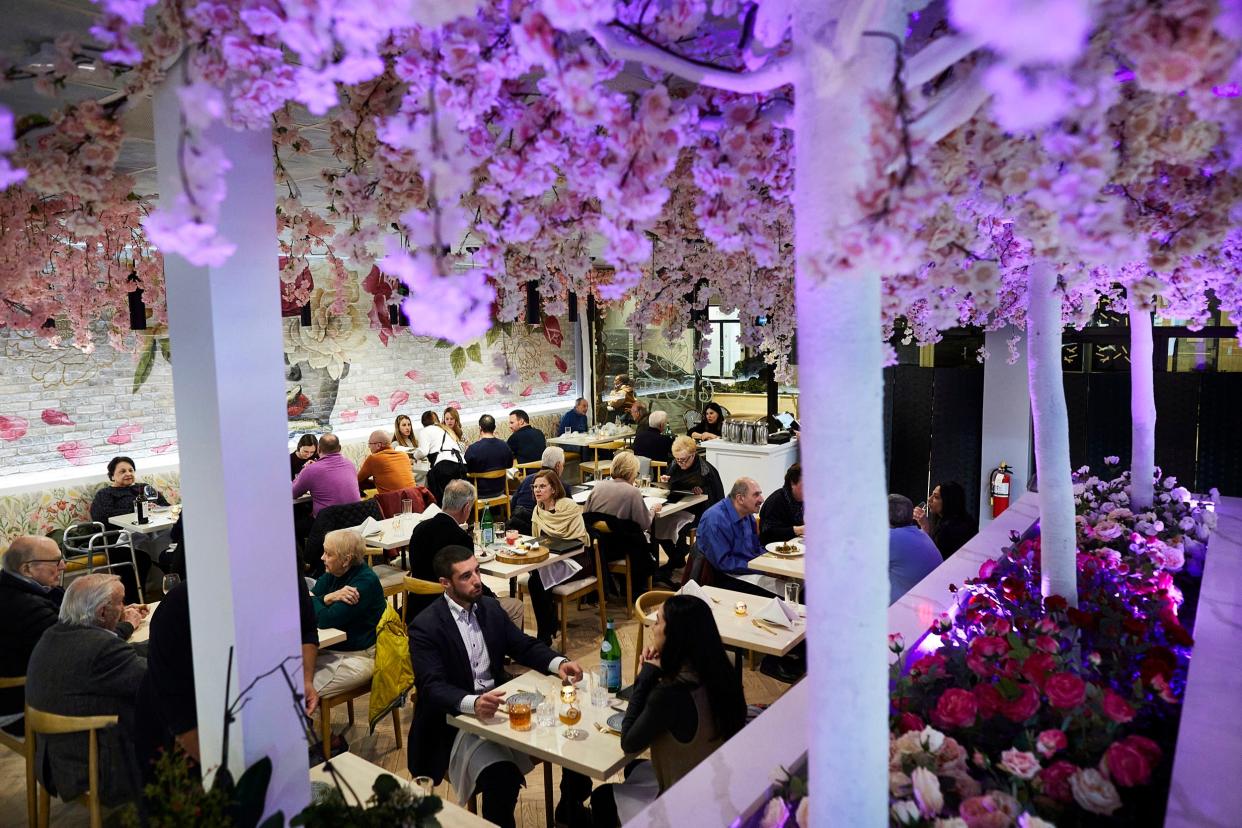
(389, 468)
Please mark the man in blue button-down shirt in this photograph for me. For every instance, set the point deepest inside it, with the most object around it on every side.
(728, 537)
(576, 418)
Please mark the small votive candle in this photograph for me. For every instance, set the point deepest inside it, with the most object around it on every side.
(740, 608)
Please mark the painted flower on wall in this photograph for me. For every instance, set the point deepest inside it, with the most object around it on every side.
(331, 337)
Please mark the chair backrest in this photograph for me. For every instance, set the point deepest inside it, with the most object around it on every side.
(495, 474)
(698, 569)
(647, 603)
(12, 681)
(692, 418)
(341, 516)
(390, 502)
(39, 721)
(418, 586)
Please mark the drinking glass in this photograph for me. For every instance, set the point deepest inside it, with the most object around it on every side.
(424, 785)
(793, 591)
(519, 715)
(407, 506)
(511, 536)
(170, 581)
(644, 482)
(545, 714)
(570, 713)
(599, 688)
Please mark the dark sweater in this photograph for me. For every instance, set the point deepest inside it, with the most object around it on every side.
(489, 454)
(27, 612)
(778, 516)
(653, 444)
(527, 444)
(111, 501)
(950, 533)
(702, 475)
(357, 621)
(428, 538)
(658, 707)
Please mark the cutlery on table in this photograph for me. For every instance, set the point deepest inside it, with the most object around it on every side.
(755, 621)
(605, 729)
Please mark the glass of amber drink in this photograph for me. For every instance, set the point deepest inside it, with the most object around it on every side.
(519, 715)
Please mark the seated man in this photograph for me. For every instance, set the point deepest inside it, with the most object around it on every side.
(458, 646)
(388, 468)
(654, 443)
(575, 419)
(448, 528)
(331, 480)
(489, 453)
(81, 668)
(638, 413)
(553, 458)
(912, 554)
(781, 519)
(526, 441)
(30, 593)
(729, 540)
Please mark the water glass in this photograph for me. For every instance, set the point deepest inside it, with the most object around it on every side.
(545, 714)
(424, 784)
(170, 582)
(599, 688)
(407, 506)
(793, 592)
(644, 482)
(499, 527)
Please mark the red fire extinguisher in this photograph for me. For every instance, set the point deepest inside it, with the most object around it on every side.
(998, 489)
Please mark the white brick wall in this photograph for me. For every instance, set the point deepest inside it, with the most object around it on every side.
(96, 392)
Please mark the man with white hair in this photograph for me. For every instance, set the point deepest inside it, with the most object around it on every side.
(30, 593)
(388, 468)
(80, 667)
(652, 442)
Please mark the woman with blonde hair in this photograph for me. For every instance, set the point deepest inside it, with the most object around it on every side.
(347, 597)
(618, 502)
(403, 433)
(452, 421)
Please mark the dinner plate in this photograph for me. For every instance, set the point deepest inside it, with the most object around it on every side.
(484, 556)
(797, 551)
(533, 699)
(615, 721)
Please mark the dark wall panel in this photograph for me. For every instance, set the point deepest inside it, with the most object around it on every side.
(1108, 419)
(1220, 434)
(1076, 397)
(911, 431)
(957, 429)
(1177, 419)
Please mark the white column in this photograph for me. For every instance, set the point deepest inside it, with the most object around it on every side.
(1058, 538)
(586, 368)
(840, 398)
(1142, 409)
(1006, 417)
(227, 357)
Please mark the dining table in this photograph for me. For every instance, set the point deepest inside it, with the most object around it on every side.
(789, 568)
(745, 632)
(585, 439)
(142, 632)
(158, 520)
(356, 778)
(500, 569)
(598, 755)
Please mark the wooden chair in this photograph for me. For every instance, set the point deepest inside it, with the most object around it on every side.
(600, 468)
(11, 742)
(657, 469)
(524, 469)
(575, 589)
(644, 606)
(417, 586)
(500, 501)
(38, 722)
(620, 567)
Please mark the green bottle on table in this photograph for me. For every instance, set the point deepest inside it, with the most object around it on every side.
(489, 533)
(610, 658)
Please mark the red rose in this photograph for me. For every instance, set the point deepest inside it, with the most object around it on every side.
(1055, 603)
(986, 568)
(989, 700)
(1116, 708)
(955, 708)
(1133, 626)
(1055, 780)
(978, 665)
(1036, 668)
(1159, 661)
(908, 722)
(1065, 690)
(1083, 620)
(1024, 706)
(1177, 634)
(989, 646)
(1051, 742)
(1126, 765)
(928, 665)
(1145, 746)
(1047, 644)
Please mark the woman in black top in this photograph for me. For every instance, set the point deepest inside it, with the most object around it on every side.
(307, 450)
(692, 474)
(687, 701)
(118, 499)
(712, 424)
(946, 518)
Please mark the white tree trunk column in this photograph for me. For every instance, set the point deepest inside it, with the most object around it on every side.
(228, 381)
(1058, 541)
(1142, 410)
(840, 396)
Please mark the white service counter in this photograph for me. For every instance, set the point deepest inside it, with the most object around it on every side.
(765, 463)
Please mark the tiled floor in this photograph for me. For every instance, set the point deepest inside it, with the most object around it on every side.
(380, 747)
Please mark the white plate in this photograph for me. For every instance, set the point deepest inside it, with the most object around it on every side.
(798, 550)
(484, 556)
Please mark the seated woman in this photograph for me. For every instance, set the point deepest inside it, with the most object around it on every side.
(347, 597)
(403, 433)
(687, 701)
(689, 474)
(946, 518)
(451, 421)
(712, 424)
(438, 446)
(618, 499)
(118, 499)
(556, 516)
(307, 451)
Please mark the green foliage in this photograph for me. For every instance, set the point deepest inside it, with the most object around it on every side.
(392, 805)
(457, 358)
(145, 362)
(475, 353)
(177, 799)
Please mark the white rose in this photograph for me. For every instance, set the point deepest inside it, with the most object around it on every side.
(774, 813)
(951, 822)
(1186, 524)
(905, 812)
(898, 784)
(1180, 493)
(927, 792)
(1032, 821)
(803, 814)
(1020, 763)
(1122, 498)
(931, 739)
(1094, 793)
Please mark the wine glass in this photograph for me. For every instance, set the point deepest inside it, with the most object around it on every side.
(170, 582)
(570, 713)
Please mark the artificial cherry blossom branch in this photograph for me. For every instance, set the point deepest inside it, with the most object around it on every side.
(938, 56)
(773, 75)
(950, 110)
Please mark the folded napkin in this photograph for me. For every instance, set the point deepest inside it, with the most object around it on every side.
(430, 512)
(559, 572)
(692, 588)
(652, 502)
(582, 496)
(370, 527)
(779, 613)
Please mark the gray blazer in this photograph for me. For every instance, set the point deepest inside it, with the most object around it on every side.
(86, 671)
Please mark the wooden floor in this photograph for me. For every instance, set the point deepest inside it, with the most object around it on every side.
(380, 748)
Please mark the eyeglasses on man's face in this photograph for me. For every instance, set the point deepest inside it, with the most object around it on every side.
(54, 561)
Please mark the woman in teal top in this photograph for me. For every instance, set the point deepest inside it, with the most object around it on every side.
(347, 597)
